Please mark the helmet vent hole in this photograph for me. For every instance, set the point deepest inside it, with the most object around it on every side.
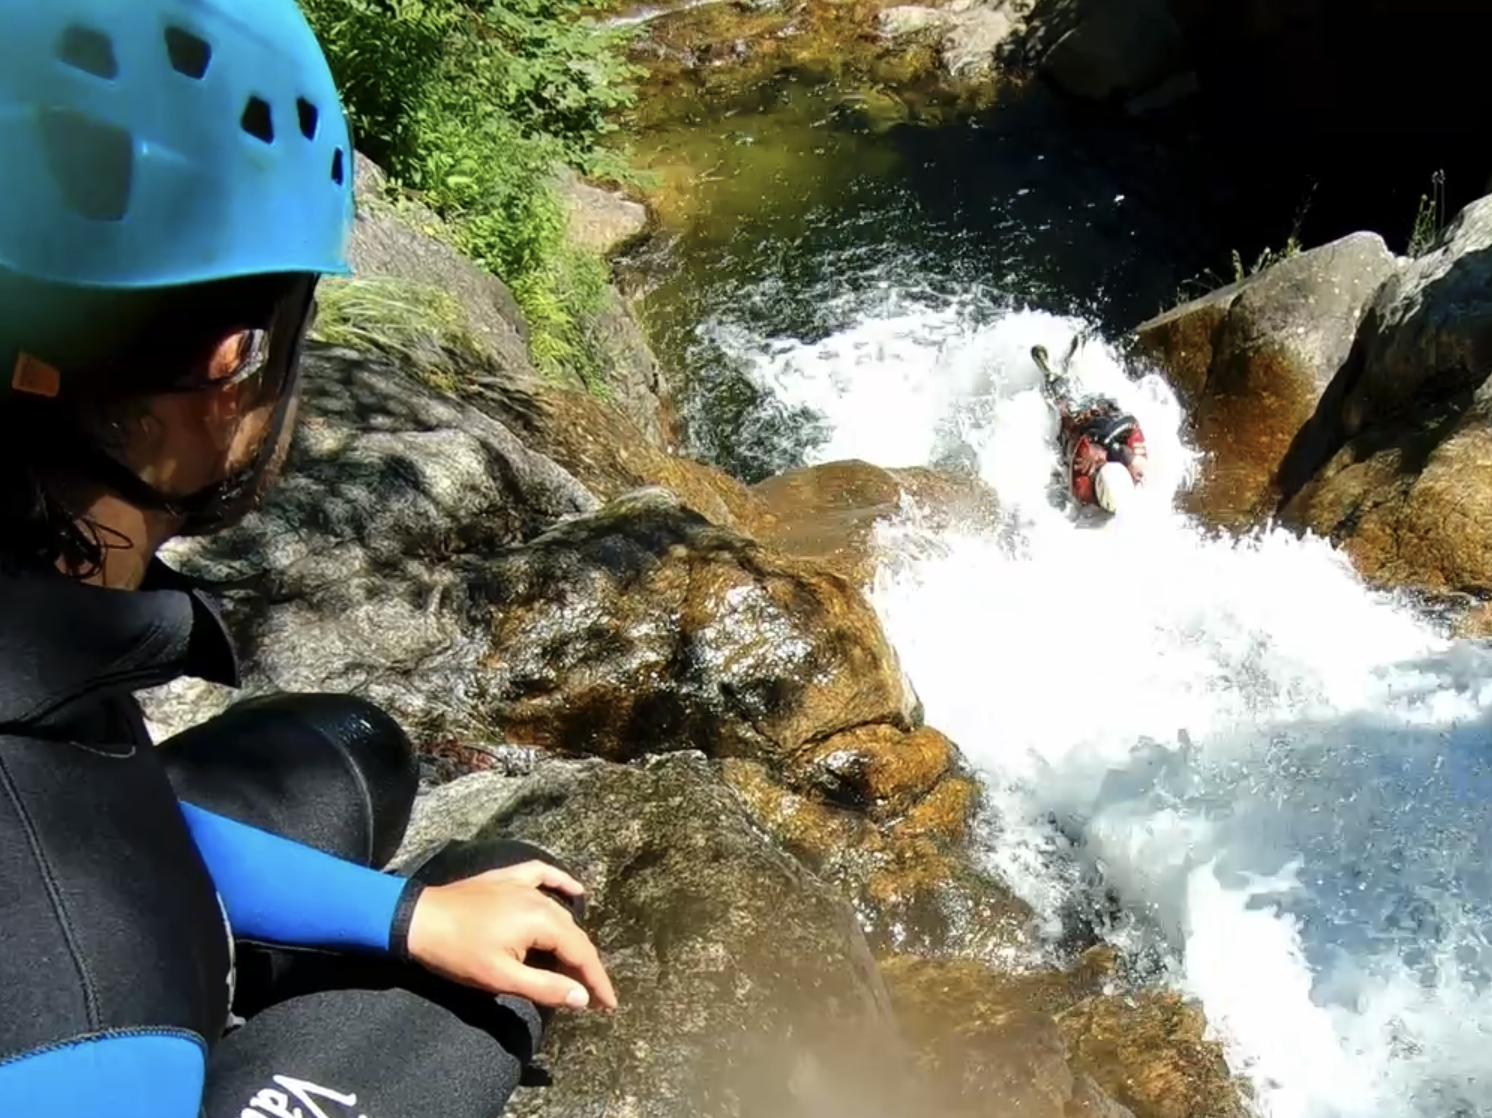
(190, 55)
(339, 170)
(257, 120)
(309, 117)
(88, 50)
(92, 163)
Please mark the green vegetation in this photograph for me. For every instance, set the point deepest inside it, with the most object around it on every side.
(1429, 219)
(470, 105)
(423, 328)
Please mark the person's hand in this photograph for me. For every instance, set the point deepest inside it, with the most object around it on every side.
(479, 932)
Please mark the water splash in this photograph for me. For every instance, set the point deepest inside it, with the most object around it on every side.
(1285, 777)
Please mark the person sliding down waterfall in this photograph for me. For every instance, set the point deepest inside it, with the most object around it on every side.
(1102, 446)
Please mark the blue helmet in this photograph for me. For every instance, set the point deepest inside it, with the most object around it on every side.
(152, 143)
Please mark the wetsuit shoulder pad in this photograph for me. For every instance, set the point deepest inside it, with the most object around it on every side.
(133, 1074)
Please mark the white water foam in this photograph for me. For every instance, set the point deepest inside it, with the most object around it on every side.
(1285, 777)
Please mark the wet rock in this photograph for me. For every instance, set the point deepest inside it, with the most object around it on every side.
(988, 1039)
(601, 221)
(1408, 500)
(1391, 465)
(877, 769)
(829, 512)
(634, 380)
(1253, 359)
(906, 862)
(345, 580)
(1149, 1052)
(644, 628)
(1116, 48)
(746, 989)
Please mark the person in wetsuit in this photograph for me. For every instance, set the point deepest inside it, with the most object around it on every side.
(1103, 450)
(203, 928)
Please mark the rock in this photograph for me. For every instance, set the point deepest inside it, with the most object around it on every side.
(908, 869)
(911, 19)
(1117, 48)
(1390, 465)
(601, 221)
(404, 241)
(612, 456)
(1253, 359)
(1149, 1052)
(1409, 501)
(644, 628)
(829, 512)
(352, 587)
(990, 1041)
(971, 40)
(745, 986)
(1429, 333)
(634, 379)
(876, 769)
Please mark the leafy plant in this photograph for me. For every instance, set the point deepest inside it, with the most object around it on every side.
(1429, 219)
(472, 105)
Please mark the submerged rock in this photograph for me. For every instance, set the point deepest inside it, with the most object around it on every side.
(1253, 359)
(989, 1041)
(746, 988)
(1392, 465)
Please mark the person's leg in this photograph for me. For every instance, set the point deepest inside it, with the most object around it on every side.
(369, 1036)
(332, 771)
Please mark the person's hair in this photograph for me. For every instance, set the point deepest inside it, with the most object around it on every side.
(43, 441)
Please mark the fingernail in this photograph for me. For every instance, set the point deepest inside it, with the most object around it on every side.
(578, 998)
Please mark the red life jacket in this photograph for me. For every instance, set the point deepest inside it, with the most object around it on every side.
(1094, 436)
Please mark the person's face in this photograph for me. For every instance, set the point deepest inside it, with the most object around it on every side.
(182, 442)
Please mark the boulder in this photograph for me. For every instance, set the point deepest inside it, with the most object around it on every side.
(1115, 48)
(1411, 501)
(344, 579)
(1253, 359)
(989, 1041)
(1149, 1051)
(904, 858)
(829, 512)
(406, 241)
(609, 453)
(400, 239)
(746, 988)
(1391, 464)
(601, 221)
(644, 628)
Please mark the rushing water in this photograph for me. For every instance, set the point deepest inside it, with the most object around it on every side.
(1284, 778)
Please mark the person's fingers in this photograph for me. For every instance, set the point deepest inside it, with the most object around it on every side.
(578, 957)
(541, 987)
(537, 874)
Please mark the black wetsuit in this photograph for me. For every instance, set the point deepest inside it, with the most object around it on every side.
(117, 965)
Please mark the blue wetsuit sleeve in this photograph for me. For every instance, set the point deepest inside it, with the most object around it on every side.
(280, 891)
